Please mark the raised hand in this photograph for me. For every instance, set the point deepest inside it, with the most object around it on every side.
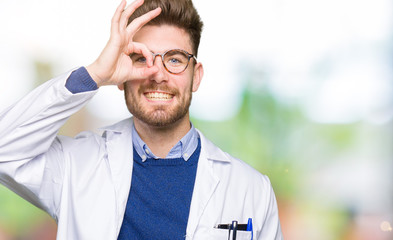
(114, 66)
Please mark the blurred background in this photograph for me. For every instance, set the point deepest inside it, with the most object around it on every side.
(302, 90)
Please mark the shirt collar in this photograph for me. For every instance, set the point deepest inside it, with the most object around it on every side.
(183, 149)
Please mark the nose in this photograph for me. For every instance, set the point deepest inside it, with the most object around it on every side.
(160, 75)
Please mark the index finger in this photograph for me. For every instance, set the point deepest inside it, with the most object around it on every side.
(126, 14)
(116, 16)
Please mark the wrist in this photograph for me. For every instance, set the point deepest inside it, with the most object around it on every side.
(94, 74)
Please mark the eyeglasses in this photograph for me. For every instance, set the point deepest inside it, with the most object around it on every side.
(175, 61)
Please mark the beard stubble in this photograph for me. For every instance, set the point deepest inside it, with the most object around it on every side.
(160, 115)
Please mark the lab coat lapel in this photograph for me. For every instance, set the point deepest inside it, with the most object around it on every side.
(120, 156)
(205, 183)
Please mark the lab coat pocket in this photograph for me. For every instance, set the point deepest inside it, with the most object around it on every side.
(218, 234)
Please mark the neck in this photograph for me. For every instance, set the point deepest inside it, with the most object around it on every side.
(162, 139)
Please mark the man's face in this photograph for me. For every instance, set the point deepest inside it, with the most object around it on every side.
(164, 98)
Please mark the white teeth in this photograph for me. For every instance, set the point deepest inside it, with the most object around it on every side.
(158, 96)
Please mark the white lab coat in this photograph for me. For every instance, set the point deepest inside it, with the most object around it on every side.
(83, 182)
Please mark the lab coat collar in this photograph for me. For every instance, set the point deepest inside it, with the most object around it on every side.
(212, 151)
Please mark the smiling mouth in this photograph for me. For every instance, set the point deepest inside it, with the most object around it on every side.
(158, 96)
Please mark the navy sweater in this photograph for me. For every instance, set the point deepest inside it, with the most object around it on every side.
(159, 201)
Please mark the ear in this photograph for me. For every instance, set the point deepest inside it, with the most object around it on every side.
(198, 74)
(120, 87)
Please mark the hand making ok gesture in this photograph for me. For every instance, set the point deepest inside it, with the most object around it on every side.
(114, 66)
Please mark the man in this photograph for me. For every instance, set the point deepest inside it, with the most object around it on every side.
(153, 176)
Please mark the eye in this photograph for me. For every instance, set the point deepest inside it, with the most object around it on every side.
(138, 58)
(174, 60)
(141, 59)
